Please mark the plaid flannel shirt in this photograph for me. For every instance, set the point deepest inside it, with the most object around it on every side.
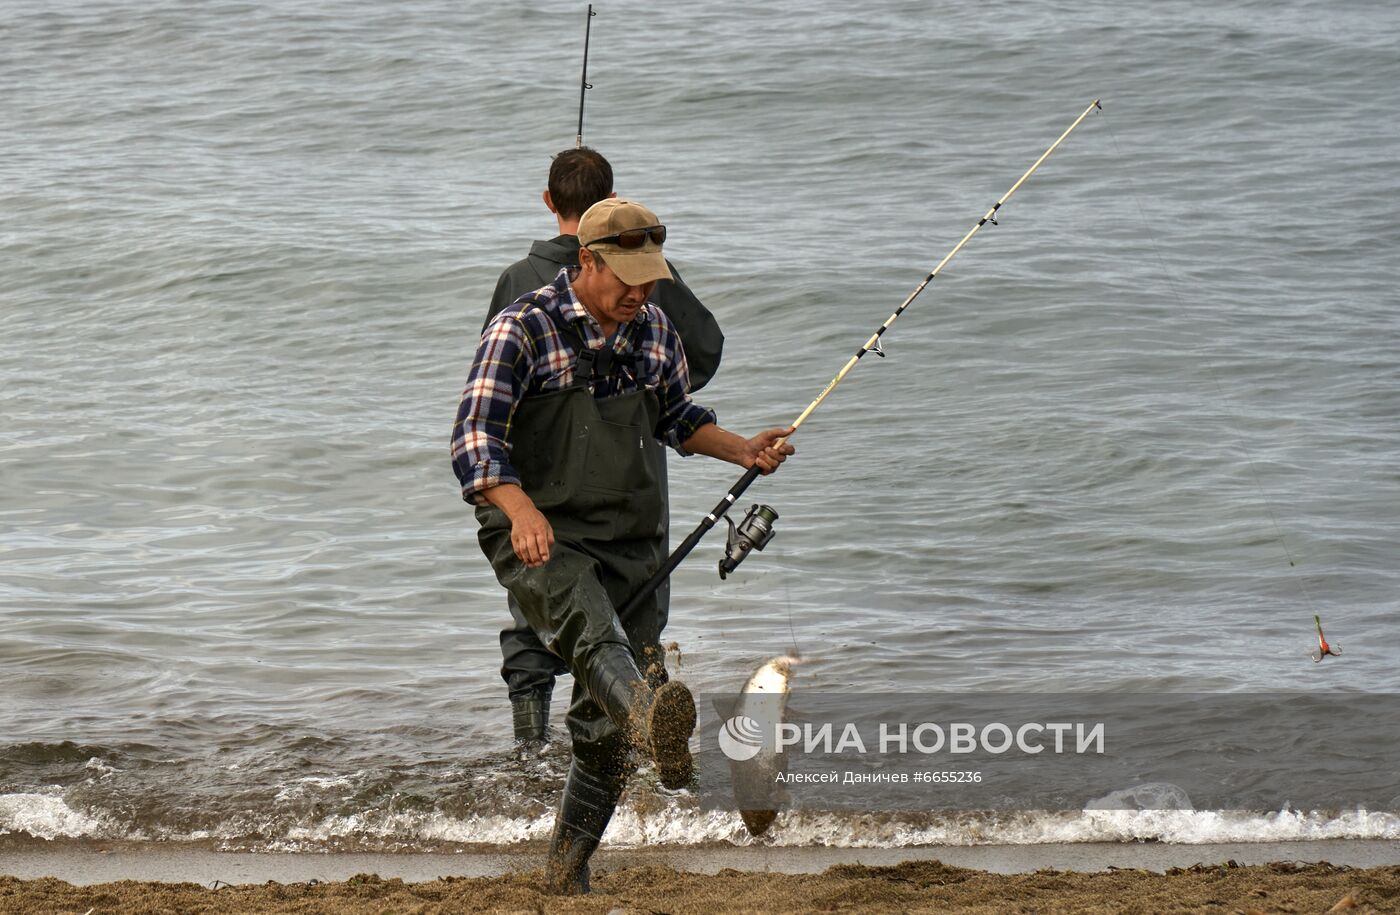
(522, 352)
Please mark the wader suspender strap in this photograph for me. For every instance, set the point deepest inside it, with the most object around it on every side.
(593, 365)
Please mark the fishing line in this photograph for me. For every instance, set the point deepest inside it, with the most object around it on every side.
(792, 630)
(1215, 379)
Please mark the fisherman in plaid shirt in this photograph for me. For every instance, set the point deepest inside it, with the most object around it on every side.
(558, 443)
(526, 354)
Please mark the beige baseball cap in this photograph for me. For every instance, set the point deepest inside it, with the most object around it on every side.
(600, 228)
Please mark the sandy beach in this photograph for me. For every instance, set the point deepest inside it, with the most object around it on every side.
(1286, 877)
(916, 886)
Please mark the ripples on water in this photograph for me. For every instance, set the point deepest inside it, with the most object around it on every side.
(246, 250)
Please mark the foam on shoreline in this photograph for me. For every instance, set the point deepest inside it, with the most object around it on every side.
(678, 822)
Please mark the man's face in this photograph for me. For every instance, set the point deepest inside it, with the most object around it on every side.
(605, 295)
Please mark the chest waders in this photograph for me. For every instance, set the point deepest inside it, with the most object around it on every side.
(608, 500)
(595, 471)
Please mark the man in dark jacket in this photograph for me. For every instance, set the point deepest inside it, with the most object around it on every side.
(579, 178)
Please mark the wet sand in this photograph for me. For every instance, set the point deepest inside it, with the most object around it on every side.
(916, 886)
(703, 880)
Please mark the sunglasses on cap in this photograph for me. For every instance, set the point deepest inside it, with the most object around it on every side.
(632, 238)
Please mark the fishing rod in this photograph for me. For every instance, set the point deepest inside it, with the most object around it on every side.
(756, 530)
(583, 84)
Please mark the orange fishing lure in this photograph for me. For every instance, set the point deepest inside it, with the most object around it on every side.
(1323, 649)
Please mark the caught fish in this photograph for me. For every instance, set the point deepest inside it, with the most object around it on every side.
(1323, 649)
(749, 739)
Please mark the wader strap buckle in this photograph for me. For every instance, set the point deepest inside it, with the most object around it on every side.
(595, 365)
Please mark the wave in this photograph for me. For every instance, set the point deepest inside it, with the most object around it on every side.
(680, 821)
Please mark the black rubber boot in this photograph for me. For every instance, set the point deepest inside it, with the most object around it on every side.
(530, 717)
(584, 812)
(658, 721)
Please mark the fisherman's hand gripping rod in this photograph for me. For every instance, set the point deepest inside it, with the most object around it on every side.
(873, 343)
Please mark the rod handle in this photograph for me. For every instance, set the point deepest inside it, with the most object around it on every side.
(691, 541)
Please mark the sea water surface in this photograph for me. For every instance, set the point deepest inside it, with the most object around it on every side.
(1131, 439)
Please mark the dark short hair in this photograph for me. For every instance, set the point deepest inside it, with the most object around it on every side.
(578, 178)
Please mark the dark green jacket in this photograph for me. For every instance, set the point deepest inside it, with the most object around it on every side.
(698, 330)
